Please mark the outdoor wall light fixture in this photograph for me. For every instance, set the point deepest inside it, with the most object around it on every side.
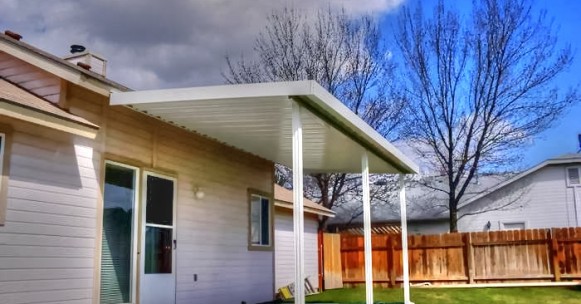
(199, 193)
(488, 225)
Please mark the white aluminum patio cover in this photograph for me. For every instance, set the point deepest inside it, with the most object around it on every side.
(257, 118)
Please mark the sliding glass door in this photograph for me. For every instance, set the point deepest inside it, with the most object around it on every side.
(118, 247)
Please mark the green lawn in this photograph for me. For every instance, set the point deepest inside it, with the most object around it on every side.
(525, 295)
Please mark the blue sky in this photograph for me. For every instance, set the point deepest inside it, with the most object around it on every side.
(562, 137)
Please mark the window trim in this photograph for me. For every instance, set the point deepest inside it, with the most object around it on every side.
(567, 176)
(255, 247)
(502, 223)
(5, 152)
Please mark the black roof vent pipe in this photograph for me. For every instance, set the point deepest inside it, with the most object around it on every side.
(75, 48)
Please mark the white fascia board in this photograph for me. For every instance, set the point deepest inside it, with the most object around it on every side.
(234, 91)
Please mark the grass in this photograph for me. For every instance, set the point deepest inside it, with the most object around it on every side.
(524, 295)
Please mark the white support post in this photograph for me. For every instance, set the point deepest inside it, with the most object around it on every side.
(367, 229)
(298, 215)
(404, 241)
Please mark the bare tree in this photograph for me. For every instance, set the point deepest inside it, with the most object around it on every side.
(481, 87)
(346, 56)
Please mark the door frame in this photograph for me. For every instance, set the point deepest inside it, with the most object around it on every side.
(143, 222)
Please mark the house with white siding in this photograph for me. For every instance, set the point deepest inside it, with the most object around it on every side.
(109, 195)
(545, 196)
(284, 259)
(427, 211)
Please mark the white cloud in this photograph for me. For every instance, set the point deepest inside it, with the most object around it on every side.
(152, 43)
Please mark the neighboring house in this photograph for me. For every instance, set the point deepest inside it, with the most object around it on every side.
(164, 202)
(389, 223)
(547, 195)
(284, 257)
(427, 210)
(544, 196)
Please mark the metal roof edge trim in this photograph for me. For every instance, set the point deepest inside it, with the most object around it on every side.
(324, 104)
(252, 90)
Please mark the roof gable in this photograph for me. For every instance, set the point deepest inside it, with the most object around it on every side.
(560, 160)
(58, 66)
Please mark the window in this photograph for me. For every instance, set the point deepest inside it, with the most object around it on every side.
(260, 234)
(513, 226)
(573, 177)
(4, 164)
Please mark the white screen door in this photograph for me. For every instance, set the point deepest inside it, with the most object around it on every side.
(158, 265)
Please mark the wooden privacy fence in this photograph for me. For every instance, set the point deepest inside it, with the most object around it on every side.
(467, 258)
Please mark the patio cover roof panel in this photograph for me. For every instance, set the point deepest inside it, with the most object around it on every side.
(257, 118)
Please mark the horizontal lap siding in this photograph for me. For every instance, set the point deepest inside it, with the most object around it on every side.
(545, 202)
(285, 254)
(212, 232)
(47, 244)
(51, 241)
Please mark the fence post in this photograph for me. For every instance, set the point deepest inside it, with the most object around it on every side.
(390, 260)
(554, 245)
(469, 256)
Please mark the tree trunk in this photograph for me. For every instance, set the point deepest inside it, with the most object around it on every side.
(323, 223)
(453, 218)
